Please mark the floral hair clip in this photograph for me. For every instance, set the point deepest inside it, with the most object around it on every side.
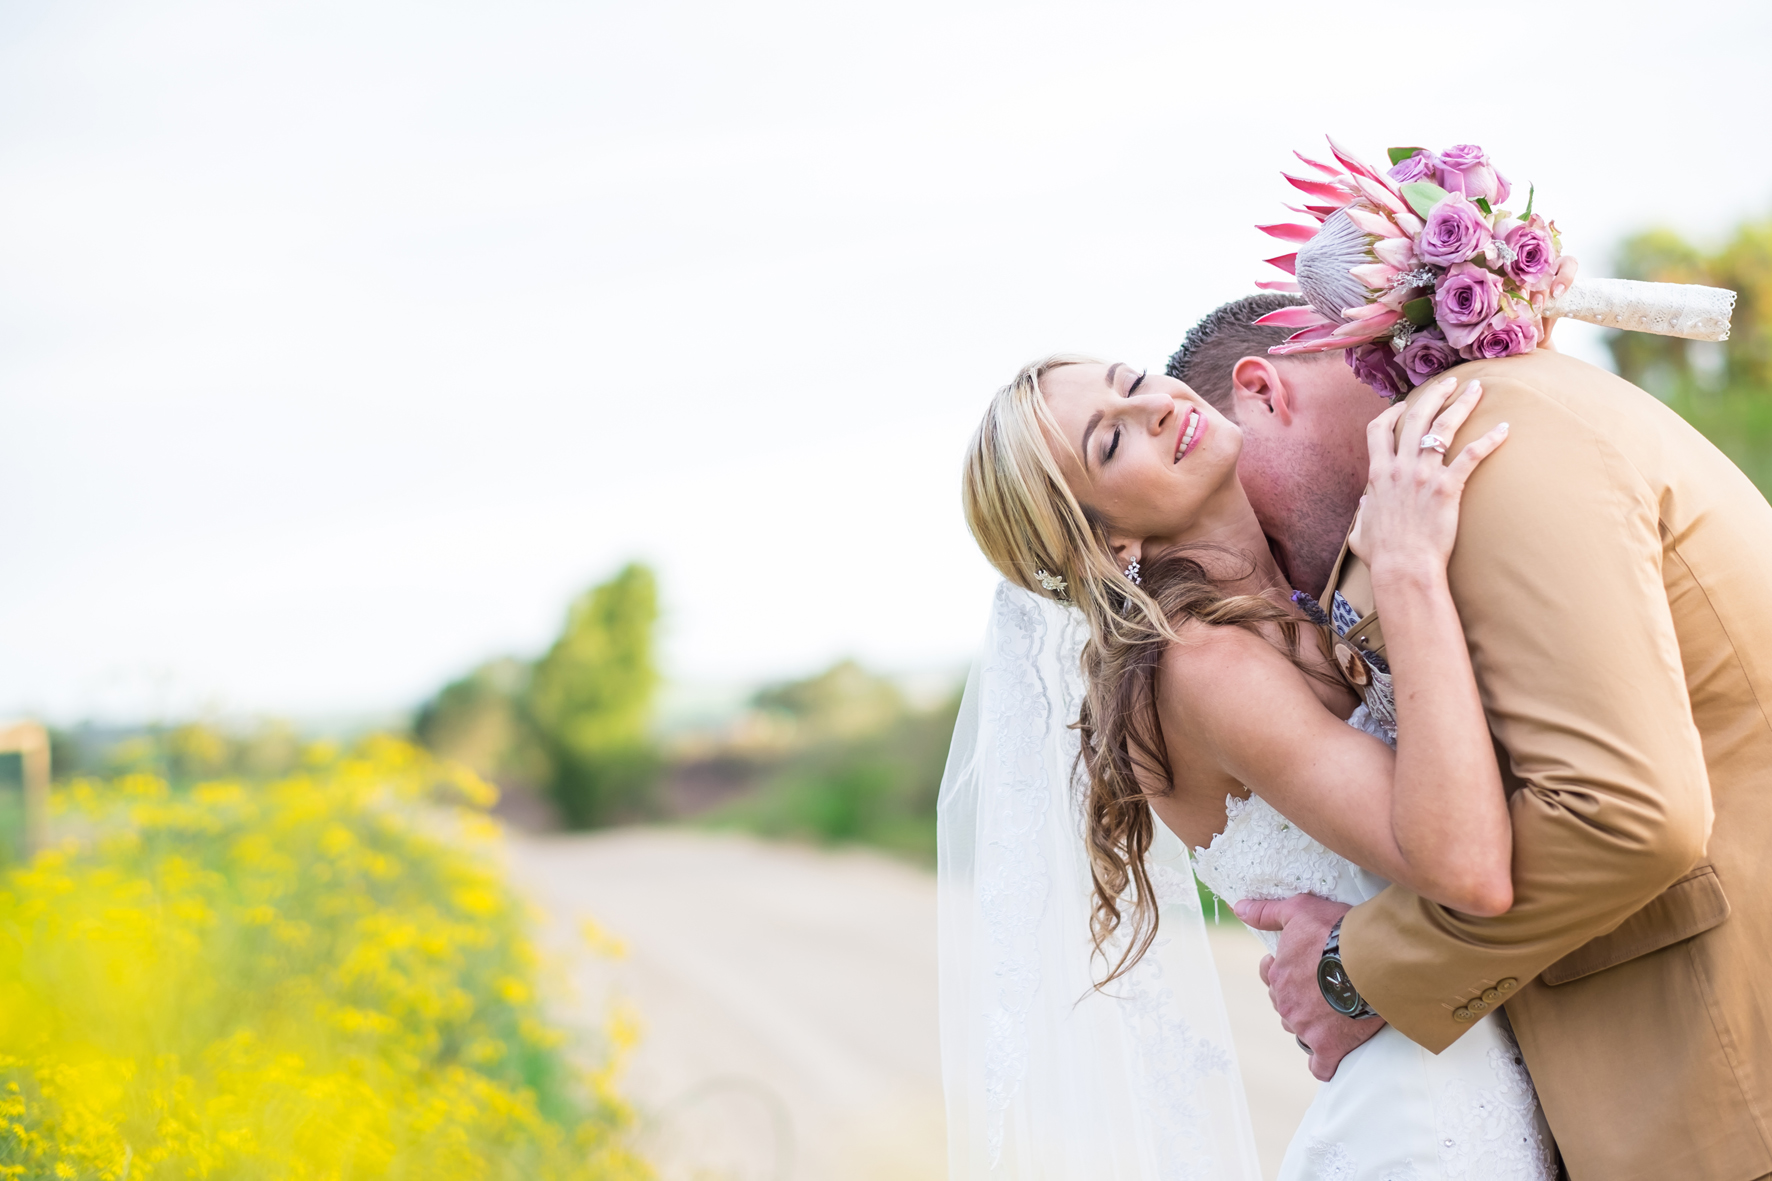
(1051, 582)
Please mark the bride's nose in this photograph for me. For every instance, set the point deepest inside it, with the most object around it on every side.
(1156, 410)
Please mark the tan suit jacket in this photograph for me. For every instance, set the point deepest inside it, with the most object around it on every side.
(1614, 576)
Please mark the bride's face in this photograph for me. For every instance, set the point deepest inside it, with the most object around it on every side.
(1143, 450)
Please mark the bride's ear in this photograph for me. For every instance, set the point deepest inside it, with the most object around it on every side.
(1127, 550)
(1259, 388)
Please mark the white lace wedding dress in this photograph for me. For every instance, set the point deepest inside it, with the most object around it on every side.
(1049, 1079)
(1393, 1111)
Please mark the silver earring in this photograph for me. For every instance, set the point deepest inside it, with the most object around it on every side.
(1132, 574)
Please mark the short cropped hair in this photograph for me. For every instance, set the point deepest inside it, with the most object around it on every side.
(1227, 335)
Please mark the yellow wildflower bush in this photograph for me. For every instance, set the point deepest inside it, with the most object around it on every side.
(317, 977)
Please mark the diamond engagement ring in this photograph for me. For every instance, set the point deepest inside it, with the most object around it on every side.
(1433, 443)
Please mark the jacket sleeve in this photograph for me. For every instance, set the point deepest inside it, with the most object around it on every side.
(1557, 575)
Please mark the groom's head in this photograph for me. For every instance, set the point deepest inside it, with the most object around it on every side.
(1304, 424)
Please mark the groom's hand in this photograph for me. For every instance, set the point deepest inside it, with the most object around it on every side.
(1303, 922)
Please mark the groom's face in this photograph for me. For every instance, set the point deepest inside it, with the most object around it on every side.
(1304, 460)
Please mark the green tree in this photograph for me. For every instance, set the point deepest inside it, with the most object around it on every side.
(1743, 265)
(478, 720)
(590, 702)
(862, 766)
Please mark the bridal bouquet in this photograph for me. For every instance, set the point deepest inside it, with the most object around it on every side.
(1418, 269)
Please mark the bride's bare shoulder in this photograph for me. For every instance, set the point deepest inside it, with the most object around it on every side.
(1212, 671)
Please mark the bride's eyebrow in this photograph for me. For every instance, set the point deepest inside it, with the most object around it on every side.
(1112, 369)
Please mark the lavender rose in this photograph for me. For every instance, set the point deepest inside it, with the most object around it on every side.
(1377, 366)
(1464, 300)
(1504, 336)
(1535, 257)
(1423, 165)
(1455, 231)
(1427, 354)
(1465, 169)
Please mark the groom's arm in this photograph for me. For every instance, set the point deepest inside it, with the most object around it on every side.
(1557, 576)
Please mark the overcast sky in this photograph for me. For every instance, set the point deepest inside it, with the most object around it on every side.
(344, 342)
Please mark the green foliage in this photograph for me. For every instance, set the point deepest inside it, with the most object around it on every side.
(862, 765)
(479, 721)
(1743, 265)
(590, 702)
(1730, 402)
(320, 976)
(577, 722)
(1737, 419)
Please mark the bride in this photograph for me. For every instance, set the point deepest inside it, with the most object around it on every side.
(1206, 701)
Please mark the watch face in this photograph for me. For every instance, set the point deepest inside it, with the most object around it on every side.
(1338, 990)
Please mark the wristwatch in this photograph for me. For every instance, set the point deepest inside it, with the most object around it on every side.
(1338, 990)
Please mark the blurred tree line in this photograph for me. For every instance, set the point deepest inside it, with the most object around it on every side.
(843, 756)
(1725, 390)
(576, 723)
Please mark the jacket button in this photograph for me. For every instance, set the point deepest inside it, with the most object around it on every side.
(1491, 995)
(1507, 984)
(1476, 1005)
(1461, 1014)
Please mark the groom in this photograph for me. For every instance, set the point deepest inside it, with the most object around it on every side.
(1614, 577)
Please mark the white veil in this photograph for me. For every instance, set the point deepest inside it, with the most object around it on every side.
(1047, 1080)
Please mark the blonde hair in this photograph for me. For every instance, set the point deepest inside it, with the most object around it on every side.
(1035, 531)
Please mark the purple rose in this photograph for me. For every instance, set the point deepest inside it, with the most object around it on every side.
(1465, 169)
(1504, 336)
(1377, 366)
(1426, 355)
(1455, 231)
(1465, 298)
(1535, 256)
(1423, 165)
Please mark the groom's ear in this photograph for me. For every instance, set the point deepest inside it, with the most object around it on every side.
(1259, 388)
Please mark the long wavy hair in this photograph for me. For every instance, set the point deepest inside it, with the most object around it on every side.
(1034, 530)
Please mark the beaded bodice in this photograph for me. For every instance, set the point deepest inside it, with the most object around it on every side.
(1261, 854)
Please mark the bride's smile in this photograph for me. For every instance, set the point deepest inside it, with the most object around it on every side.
(1154, 461)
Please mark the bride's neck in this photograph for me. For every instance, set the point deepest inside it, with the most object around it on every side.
(1227, 540)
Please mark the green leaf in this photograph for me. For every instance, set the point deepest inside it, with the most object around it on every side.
(1423, 196)
(1531, 194)
(1483, 204)
(1419, 312)
(1398, 155)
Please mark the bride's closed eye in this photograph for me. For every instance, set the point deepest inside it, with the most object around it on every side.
(1114, 443)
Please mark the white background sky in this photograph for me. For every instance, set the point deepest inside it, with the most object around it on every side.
(341, 343)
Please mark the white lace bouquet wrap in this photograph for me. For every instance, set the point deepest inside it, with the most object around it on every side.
(1663, 309)
(1418, 269)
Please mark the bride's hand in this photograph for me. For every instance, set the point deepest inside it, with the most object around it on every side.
(1560, 282)
(1408, 518)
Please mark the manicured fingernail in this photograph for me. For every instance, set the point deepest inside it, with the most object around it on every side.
(1502, 428)
(1557, 291)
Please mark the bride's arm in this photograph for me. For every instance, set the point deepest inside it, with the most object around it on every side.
(1432, 816)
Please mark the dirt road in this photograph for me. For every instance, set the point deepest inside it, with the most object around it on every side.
(788, 1000)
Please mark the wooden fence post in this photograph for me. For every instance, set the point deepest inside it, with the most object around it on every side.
(30, 741)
